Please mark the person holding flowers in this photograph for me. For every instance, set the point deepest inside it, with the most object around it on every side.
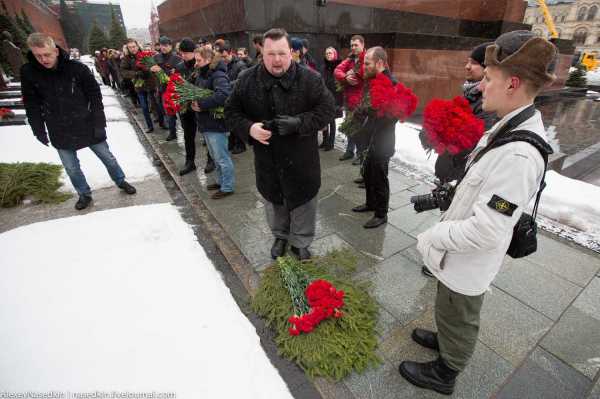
(383, 102)
(144, 83)
(212, 75)
(166, 62)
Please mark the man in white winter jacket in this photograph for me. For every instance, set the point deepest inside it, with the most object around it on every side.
(465, 250)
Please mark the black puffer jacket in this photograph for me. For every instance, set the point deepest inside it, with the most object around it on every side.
(213, 77)
(66, 99)
(234, 68)
(288, 169)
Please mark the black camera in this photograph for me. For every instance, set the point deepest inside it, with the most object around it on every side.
(440, 197)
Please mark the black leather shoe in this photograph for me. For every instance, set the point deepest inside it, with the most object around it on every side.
(362, 208)
(375, 222)
(426, 338)
(210, 166)
(362, 185)
(213, 187)
(301, 253)
(426, 272)
(346, 156)
(237, 150)
(435, 375)
(83, 202)
(128, 188)
(189, 167)
(278, 248)
(171, 137)
(150, 130)
(327, 148)
(357, 162)
(359, 180)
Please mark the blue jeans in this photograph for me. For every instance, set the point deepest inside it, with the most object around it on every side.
(171, 119)
(351, 146)
(144, 97)
(217, 147)
(71, 163)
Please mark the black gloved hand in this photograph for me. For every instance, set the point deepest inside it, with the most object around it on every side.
(99, 132)
(287, 125)
(42, 138)
(270, 126)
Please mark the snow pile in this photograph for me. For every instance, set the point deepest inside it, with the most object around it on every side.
(593, 77)
(567, 201)
(124, 300)
(572, 202)
(17, 144)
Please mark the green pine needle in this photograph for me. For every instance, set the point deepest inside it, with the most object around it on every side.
(336, 347)
(23, 179)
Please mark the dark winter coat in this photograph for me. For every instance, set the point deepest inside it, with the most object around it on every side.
(66, 99)
(213, 77)
(102, 65)
(288, 169)
(168, 62)
(378, 134)
(450, 167)
(234, 67)
(189, 72)
(129, 70)
(330, 82)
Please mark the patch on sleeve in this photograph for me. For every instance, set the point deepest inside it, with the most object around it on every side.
(501, 205)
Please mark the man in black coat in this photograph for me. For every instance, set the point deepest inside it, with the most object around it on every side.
(234, 67)
(279, 107)
(379, 138)
(63, 96)
(168, 61)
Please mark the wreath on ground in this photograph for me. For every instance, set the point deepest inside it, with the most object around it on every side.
(24, 179)
(324, 321)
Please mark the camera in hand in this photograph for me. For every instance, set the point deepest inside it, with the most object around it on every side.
(440, 197)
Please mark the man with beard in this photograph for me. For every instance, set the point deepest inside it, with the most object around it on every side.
(166, 60)
(350, 75)
(188, 118)
(380, 138)
(62, 95)
(279, 107)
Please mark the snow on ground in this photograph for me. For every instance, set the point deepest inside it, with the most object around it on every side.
(593, 77)
(124, 300)
(569, 202)
(17, 144)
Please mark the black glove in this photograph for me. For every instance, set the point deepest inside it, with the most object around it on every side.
(287, 125)
(99, 132)
(42, 138)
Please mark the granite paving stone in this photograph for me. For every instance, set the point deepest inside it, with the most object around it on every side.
(324, 245)
(575, 339)
(570, 263)
(595, 394)
(401, 289)
(509, 327)
(543, 376)
(544, 291)
(412, 223)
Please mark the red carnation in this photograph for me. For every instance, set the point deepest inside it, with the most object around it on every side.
(451, 126)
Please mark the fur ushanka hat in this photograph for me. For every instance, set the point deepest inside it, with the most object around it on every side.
(528, 56)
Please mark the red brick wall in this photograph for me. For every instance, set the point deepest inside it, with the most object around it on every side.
(42, 18)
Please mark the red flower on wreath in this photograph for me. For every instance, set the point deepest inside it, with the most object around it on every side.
(389, 100)
(325, 302)
(451, 126)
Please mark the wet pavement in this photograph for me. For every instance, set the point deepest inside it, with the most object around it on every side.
(540, 334)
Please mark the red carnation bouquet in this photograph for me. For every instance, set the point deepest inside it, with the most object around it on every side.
(312, 302)
(145, 60)
(450, 125)
(6, 113)
(380, 99)
(180, 93)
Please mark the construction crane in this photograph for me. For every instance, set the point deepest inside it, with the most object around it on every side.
(548, 19)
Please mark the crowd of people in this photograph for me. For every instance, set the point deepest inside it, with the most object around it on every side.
(278, 102)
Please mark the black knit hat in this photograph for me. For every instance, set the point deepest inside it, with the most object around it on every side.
(187, 45)
(478, 53)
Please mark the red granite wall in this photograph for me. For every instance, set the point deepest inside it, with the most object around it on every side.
(42, 18)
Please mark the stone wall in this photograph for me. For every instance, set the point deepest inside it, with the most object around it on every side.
(42, 18)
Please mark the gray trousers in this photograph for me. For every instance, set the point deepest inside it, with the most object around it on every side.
(297, 225)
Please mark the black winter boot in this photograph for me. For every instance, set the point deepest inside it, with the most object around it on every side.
(435, 375)
(190, 166)
(278, 248)
(426, 338)
(128, 188)
(83, 202)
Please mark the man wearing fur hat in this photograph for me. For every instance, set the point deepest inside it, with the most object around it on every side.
(466, 249)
